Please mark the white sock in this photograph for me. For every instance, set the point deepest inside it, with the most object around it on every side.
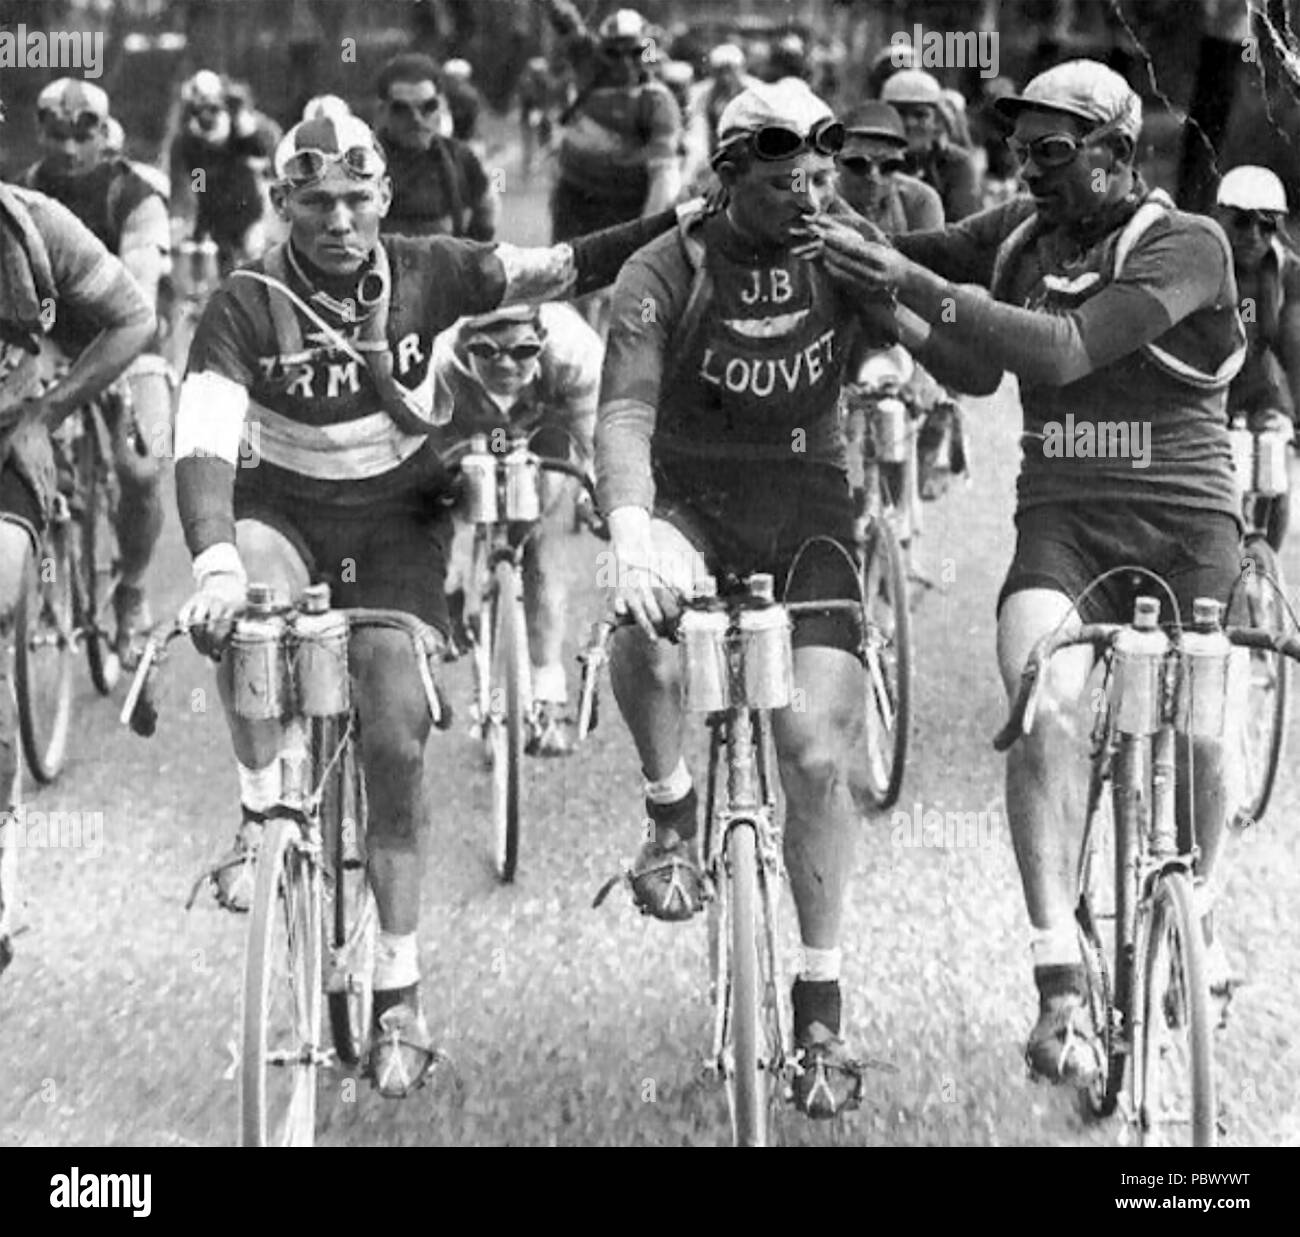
(1055, 946)
(671, 789)
(259, 789)
(549, 686)
(397, 961)
(820, 964)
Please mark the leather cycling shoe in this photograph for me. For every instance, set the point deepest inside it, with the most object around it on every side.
(829, 1080)
(401, 1052)
(1063, 1047)
(134, 623)
(666, 880)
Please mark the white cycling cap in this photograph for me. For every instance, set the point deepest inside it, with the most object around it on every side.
(726, 55)
(790, 102)
(326, 105)
(1252, 188)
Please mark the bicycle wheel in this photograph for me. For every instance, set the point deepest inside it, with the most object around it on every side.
(351, 917)
(97, 550)
(507, 715)
(887, 656)
(747, 1091)
(43, 642)
(1268, 694)
(1174, 1065)
(282, 1023)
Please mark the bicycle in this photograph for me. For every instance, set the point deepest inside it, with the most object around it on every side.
(67, 590)
(313, 924)
(737, 667)
(1142, 942)
(503, 500)
(1260, 460)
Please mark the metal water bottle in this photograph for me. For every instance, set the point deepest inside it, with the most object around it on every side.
(321, 655)
(479, 469)
(1243, 453)
(523, 498)
(706, 676)
(257, 649)
(890, 430)
(1203, 688)
(766, 656)
(1270, 463)
(1140, 652)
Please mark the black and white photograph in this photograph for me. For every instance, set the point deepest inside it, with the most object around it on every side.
(706, 574)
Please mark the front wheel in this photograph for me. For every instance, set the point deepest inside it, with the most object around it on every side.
(282, 1022)
(887, 658)
(43, 642)
(747, 1089)
(507, 716)
(1174, 1074)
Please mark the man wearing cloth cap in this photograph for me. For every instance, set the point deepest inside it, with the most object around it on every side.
(918, 98)
(530, 370)
(1251, 208)
(324, 347)
(718, 452)
(727, 78)
(1155, 343)
(128, 214)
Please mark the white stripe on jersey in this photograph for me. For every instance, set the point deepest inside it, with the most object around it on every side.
(350, 451)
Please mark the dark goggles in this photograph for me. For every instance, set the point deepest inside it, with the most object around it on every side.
(1244, 220)
(58, 128)
(486, 350)
(773, 143)
(1056, 150)
(305, 167)
(399, 107)
(860, 165)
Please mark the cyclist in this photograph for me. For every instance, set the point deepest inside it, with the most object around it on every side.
(931, 155)
(324, 346)
(1251, 207)
(537, 97)
(126, 212)
(439, 186)
(218, 163)
(700, 404)
(531, 369)
(1156, 335)
(50, 265)
(464, 104)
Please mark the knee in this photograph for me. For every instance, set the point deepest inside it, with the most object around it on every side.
(813, 758)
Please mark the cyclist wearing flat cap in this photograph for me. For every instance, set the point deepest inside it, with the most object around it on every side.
(1108, 304)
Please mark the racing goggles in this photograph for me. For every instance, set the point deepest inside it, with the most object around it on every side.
(860, 165)
(399, 107)
(1244, 220)
(59, 128)
(1055, 150)
(772, 143)
(486, 350)
(305, 167)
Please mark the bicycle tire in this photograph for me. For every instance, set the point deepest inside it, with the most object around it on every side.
(97, 555)
(750, 1101)
(1187, 1000)
(888, 665)
(351, 914)
(43, 620)
(288, 893)
(1271, 706)
(509, 652)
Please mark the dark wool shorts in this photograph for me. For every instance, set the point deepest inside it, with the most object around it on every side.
(1064, 546)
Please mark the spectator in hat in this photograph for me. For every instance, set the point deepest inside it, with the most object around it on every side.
(931, 156)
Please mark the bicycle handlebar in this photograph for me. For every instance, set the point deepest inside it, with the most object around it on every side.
(1100, 636)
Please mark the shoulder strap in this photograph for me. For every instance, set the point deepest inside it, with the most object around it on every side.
(697, 299)
(1156, 206)
(1009, 252)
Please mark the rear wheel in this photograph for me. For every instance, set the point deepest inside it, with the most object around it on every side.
(887, 657)
(43, 640)
(97, 549)
(1266, 714)
(282, 1023)
(1175, 1099)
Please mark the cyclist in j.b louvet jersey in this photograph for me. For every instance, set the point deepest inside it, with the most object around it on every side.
(719, 452)
(1116, 312)
(50, 265)
(343, 484)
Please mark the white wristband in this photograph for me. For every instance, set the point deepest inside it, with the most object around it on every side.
(629, 528)
(220, 559)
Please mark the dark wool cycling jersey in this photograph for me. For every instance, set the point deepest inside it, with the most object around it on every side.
(1091, 390)
(434, 190)
(752, 370)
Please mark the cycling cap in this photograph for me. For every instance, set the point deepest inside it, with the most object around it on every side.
(1083, 88)
(505, 316)
(912, 86)
(790, 102)
(677, 72)
(69, 97)
(726, 55)
(876, 119)
(346, 139)
(115, 136)
(1252, 188)
(326, 105)
(624, 26)
(458, 70)
(205, 88)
